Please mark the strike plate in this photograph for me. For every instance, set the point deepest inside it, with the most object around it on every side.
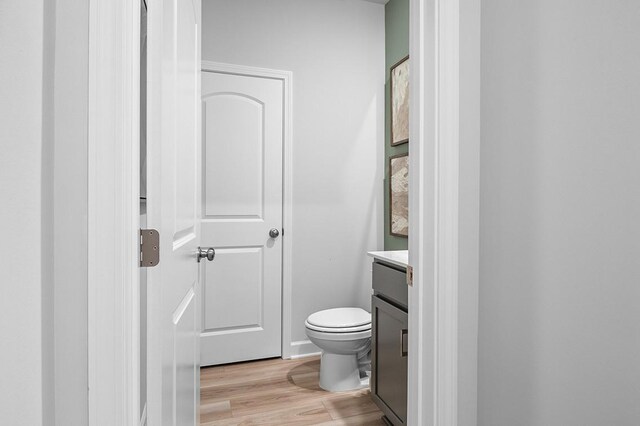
(410, 276)
(149, 248)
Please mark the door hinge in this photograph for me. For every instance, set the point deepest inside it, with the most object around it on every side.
(149, 248)
(410, 275)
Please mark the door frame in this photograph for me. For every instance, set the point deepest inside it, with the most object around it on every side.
(444, 204)
(113, 170)
(444, 143)
(287, 183)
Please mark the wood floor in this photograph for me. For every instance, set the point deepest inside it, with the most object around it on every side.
(279, 392)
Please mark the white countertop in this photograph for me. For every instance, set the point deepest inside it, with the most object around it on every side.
(395, 257)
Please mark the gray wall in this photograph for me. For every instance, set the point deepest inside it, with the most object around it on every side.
(468, 215)
(559, 337)
(335, 49)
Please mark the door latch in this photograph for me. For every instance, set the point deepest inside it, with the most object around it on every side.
(149, 248)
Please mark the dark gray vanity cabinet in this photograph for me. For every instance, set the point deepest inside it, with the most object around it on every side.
(389, 341)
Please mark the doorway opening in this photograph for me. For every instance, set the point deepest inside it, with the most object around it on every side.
(113, 296)
(294, 110)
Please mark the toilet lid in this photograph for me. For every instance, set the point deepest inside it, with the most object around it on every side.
(340, 318)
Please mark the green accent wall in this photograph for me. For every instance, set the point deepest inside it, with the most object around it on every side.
(396, 47)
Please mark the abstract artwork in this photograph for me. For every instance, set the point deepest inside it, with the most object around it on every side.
(399, 195)
(400, 102)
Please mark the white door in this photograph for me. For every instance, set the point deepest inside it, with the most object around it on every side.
(173, 192)
(242, 202)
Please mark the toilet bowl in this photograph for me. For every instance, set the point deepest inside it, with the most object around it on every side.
(344, 335)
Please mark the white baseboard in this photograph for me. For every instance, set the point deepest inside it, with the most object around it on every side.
(303, 349)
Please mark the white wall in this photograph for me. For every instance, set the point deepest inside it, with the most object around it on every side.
(25, 126)
(559, 337)
(335, 49)
(43, 215)
(70, 211)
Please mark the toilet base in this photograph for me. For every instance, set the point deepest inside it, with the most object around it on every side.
(339, 373)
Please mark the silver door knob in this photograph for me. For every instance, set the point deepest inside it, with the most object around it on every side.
(274, 233)
(208, 253)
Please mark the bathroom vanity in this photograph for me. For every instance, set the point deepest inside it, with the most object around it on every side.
(389, 309)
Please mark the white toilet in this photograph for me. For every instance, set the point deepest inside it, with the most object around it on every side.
(344, 335)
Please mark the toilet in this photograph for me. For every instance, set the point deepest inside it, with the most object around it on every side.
(344, 335)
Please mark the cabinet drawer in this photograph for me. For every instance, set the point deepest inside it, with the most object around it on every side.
(391, 283)
(389, 360)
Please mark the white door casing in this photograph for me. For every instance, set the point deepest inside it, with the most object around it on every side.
(112, 191)
(443, 200)
(173, 197)
(113, 217)
(242, 200)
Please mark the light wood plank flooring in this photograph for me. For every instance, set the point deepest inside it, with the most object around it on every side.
(279, 392)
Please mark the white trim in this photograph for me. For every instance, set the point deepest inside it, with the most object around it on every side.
(113, 213)
(447, 211)
(420, 404)
(435, 240)
(287, 219)
(155, 98)
(143, 417)
(302, 349)
(288, 348)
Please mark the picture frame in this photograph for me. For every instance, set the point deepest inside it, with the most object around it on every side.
(399, 195)
(399, 102)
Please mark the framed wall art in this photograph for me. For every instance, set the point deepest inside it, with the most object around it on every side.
(399, 195)
(400, 102)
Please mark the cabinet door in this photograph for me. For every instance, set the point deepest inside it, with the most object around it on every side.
(389, 360)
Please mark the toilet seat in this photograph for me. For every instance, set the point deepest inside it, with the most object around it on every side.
(339, 320)
(364, 327)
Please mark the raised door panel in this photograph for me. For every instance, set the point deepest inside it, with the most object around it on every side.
(233, 293)
(186, 125)
(234, 153)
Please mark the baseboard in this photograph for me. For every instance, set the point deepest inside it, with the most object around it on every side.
(303, 349)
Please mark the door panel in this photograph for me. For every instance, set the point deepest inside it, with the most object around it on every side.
(242, 189)
(186, 111)
(245, 295)
(173, 207)
(240, 154)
